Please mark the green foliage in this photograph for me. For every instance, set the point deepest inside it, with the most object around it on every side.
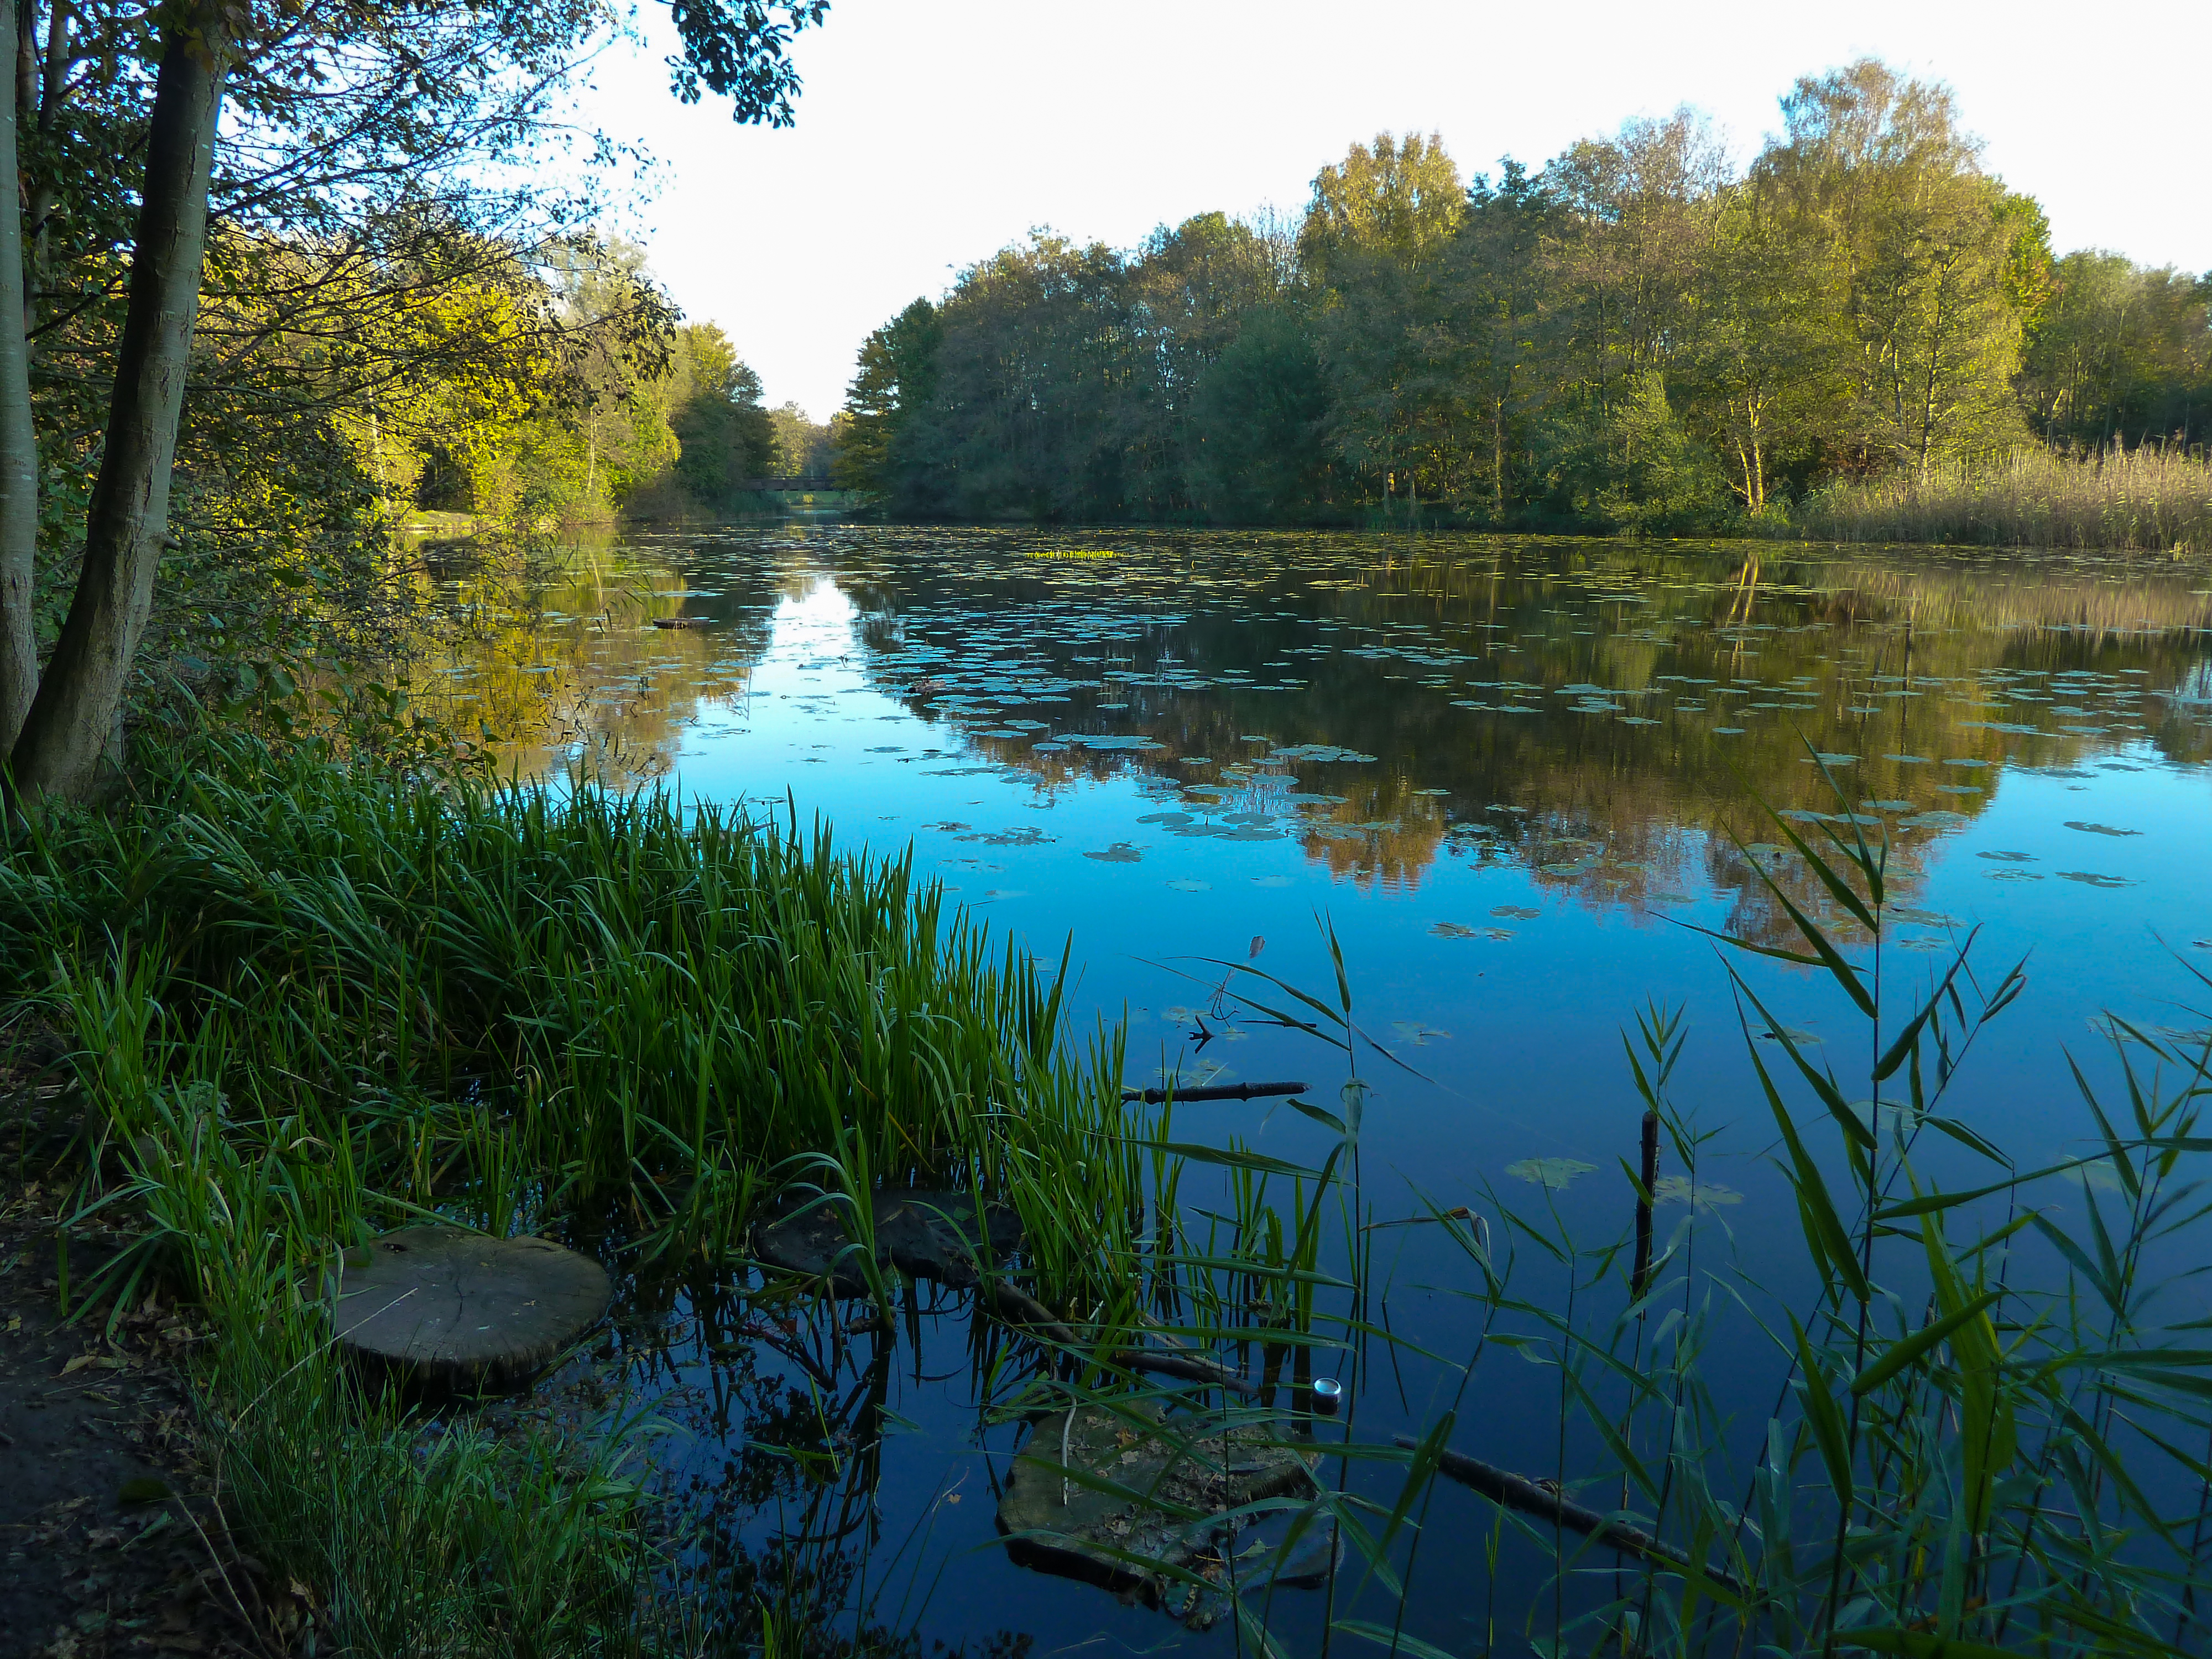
(2120, 355)
(723, 434)
(1257, 428)
(400, 310)
(1396, 200)
(311, 999)
(1638, 337)
(801, 447)
(1635, 465)
(876, 437)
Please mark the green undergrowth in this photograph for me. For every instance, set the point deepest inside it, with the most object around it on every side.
(309, 1001)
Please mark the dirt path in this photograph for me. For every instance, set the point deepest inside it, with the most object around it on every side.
(109, 1542)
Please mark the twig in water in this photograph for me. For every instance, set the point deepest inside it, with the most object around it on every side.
(1517, 1491)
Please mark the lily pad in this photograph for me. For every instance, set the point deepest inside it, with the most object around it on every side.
(1552, 1172)
(1701, 1195)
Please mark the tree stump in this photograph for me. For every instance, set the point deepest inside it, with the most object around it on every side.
(929, 1235)
(449, 1311)
(1178, 1475)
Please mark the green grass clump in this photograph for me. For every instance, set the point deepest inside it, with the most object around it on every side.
(310, 1000)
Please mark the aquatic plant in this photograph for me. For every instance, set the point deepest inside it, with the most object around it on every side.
(306, 1000)
(2149, 500)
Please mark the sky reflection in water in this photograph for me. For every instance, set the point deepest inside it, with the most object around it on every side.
(1517, 775)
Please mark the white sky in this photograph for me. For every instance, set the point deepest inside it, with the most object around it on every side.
(932, 132)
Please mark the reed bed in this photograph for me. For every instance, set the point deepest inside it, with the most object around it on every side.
(2151, 501)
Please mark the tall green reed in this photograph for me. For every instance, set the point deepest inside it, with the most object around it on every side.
(309, 1000)
(1969, 1451)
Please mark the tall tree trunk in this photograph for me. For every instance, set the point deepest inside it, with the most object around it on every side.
(19, 452)
(71, 722)
(51, 86)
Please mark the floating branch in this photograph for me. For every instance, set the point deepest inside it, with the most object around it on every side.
(1517, 1492)
(1215, 1091)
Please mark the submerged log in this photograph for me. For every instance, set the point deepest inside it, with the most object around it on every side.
(1517, 1492)
(1017, 1307)
(1214, 1091)
(449, 1311)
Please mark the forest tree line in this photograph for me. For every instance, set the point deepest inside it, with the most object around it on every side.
(1635, 335)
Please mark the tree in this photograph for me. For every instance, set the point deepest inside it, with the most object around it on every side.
(71, 720)
(294, 73)
(1377, 235)
(724, 435)
(1394, 197)
(2120, 354)
(1761, 358)
(19, 450)
(800, 446)
(1630, 231)
(1041, 380)
(874, 443)
(1257, 450)
(1493, 267)
(1941, 267)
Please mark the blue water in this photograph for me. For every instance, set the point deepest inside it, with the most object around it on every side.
(1516, 780)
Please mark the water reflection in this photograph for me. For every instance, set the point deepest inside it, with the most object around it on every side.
(1605, 715)
(1502, 766)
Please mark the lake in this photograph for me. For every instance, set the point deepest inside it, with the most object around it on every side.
(1522, 783)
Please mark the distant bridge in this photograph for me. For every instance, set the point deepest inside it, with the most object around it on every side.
(807, 484)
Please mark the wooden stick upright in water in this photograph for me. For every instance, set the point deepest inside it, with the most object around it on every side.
(1638, 1280)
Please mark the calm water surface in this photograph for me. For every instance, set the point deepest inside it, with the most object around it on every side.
(1519, 778)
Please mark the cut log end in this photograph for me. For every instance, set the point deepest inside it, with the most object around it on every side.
(927, 1235)
(1170, 1470)
(445, 1311)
